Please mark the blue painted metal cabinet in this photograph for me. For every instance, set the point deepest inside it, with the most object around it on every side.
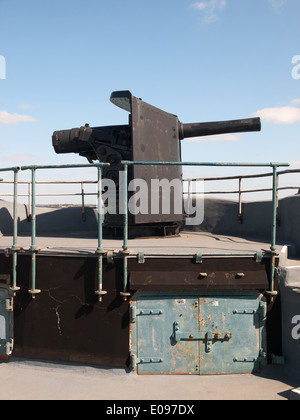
(6, 322)
(186, 333)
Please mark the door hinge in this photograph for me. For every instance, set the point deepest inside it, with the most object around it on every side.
(244, 311)
(134, 360)
(142, 312)
(261, 358)
(149, 312)
(141, 360)
(244, 359)
(132, 314)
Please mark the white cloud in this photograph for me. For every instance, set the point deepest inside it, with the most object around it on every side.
(216, 138)
(282, 115)
(27, 106)
(7, 118)
(277, 4)
(210, 8)
(296, 101)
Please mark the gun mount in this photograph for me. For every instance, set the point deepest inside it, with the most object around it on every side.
(151, 135)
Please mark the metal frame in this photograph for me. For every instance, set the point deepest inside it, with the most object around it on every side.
(187, 193)
(33, 291)
(125, 252)
(14, 249)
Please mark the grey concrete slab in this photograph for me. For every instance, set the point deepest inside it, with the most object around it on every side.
(186, 242)
(38, 380)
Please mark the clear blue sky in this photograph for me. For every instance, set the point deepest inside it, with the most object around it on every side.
(203, 61)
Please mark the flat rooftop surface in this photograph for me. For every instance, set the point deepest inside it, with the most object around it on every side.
(186, 242)
(38, 380)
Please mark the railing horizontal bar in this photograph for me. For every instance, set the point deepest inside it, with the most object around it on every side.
(51, 182)
(88, 165)
(227, 178)
(271, 164)
(185, 193)
(14, 169)
(242, 192)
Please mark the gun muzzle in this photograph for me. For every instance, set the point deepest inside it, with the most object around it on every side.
(219, 127)
(72, 141)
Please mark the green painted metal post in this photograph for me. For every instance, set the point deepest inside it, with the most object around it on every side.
(271, 290)
(125, 250)
(33, 291)
(15, 248)
(100, 292)
(125, 208)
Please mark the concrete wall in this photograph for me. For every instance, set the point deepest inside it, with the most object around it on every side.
(220, 217)
(290, 299)
(48, 219)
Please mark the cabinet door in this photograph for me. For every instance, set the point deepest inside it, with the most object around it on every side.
(197, 335)
(236, 334)
(6, 322)
(156, 350)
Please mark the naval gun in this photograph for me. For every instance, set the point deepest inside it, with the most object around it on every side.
(152, 135)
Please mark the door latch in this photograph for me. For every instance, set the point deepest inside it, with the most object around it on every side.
(209, 336)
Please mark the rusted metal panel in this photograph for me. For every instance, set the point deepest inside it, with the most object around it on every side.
(67, 323)
(190, 334)
(185, 274)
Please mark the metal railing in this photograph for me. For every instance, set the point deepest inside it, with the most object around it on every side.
(189, 193)
(125, 252)
(272, 252)
(240, 190)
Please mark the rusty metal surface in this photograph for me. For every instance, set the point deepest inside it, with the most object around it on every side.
(185, 274)
(200, 333)
(67, 323)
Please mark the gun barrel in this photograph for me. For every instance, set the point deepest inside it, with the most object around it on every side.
(219, 127)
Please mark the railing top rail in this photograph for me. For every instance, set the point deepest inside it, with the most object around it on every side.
(87, 165)
(226, 178)
(270, 164)
(13, 169)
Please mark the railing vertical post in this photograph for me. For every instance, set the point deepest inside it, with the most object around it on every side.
(29, 201)
(33, 291)
(189, 197)
(125, 250)
(100, 292)
(15, 248)
(82, 202)
(240, 215)
(271, 290)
